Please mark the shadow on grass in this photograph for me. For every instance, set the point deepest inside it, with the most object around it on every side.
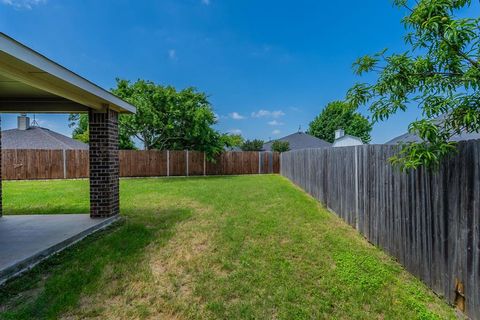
(56, 285)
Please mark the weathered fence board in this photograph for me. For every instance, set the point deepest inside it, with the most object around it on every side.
(196, 163)
(428, 219)
(76, 164)
(142, 164)
(178, 166)
(32, 164)
(59, 164)
(229, 163)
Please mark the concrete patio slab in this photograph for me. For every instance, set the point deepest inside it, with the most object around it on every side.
(25, 240)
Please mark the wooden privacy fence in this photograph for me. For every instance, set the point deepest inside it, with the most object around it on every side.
(61, 164)
(429, 220)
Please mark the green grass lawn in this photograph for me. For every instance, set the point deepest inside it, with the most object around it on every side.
(250, 247)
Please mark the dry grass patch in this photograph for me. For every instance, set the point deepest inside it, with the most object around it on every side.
(161, 286)
(250, 247)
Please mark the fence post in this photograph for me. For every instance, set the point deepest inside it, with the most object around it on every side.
(64, 164)
(356, 188)
(204, 163)
(168, 163)
(187, 161)
(259, 162)
(270, 162)
(280, 163)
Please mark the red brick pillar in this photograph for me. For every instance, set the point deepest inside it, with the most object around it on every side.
(104, 164)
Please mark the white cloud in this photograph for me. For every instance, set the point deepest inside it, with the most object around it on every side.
(267, 113)
(206, 2)
(236, 116)
(172, 54)
(278, 113)
(23, 4)
(275, 123)
(235, 131)
(260, 113)
(220, 117)
(276, 132)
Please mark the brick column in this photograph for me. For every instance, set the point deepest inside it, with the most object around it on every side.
(104, 164)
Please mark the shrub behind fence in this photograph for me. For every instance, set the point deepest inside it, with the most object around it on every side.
(428, 220)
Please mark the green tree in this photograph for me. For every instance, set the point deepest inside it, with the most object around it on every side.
(280, 146)
(232, 140)
(80, 122)
(80, 131)
(169, 119)
(440, 74)
(252, 145)
(340, 115)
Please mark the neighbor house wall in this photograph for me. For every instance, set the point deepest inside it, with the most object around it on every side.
(347, 142)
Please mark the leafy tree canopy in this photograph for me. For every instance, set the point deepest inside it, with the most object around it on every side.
(169, 119)
(80, 131)
(233, 140)
(440, 74)
(280, 146)
(165, 119)
(80, 124)
(252, 145)
(340, 115)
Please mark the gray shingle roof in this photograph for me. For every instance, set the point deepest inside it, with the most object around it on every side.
(408, 137)
(39, 138)
(300, 140)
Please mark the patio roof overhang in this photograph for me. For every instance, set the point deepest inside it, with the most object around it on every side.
(30, 82)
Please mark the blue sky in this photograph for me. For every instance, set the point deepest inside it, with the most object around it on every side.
(268, 66)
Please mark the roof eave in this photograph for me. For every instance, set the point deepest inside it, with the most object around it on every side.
(52, 77)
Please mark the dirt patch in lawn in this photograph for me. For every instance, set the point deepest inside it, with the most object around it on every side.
(162, 286)
(250, 247)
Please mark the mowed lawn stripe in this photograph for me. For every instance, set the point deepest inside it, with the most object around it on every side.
(240, 247)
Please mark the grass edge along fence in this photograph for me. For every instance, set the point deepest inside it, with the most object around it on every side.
(72, 164)
(428, 219)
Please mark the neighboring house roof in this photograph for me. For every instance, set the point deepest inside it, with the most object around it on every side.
(409, 137)
(347, 140)
(39, 138)
(299, 140)
(232, 149)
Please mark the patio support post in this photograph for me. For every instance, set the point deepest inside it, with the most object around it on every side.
(104, 163)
